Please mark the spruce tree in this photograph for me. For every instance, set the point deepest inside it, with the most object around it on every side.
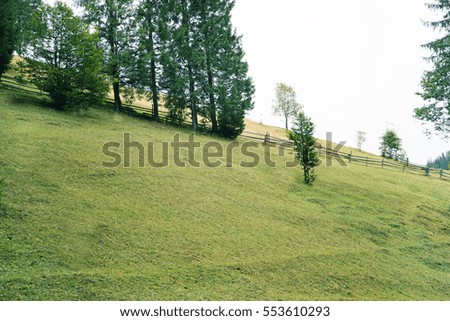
(202, 66)
(436, 82)
(302, 134)
(226, 90)
(441, 162)
(215, 18)
(235, 88)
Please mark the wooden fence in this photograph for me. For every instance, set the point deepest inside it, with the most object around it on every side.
(165, 117)
(404, 166)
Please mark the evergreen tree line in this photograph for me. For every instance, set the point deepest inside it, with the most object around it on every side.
(182, 55)
(441, 162)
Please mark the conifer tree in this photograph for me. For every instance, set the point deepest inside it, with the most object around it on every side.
(302, 134)
(226, 89)
(436, 82)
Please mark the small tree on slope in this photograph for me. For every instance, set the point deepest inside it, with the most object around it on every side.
(304, 141)
(285, 103)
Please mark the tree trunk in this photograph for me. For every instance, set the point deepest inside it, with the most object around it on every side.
(112, 40)
(153, 85)
(154, 90)
(185, 22)
(117, 101)
(212, 102)
(192, 99)
(287, 122)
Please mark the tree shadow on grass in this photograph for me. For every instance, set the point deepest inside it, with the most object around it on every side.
(22, 98)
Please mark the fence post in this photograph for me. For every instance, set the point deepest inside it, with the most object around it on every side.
(404, 166)
(267, 138)
(440, 173)
(427, 171)
(382, 162)
(367, 161)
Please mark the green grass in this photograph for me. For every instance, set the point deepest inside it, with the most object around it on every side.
(74, 230)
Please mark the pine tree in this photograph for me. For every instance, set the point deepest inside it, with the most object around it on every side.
(226, 89)
(441, 162)
(202, 66)
(436, 82)
(302, 134)
(214, 23)
(113, 19)
(236, 88)
(226, 85)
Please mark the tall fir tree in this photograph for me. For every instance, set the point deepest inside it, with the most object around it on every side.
(214, 20)
(113, 19)
(235, 88)
(187, 52)
(226, 88)
(441, 162)
(436, 82)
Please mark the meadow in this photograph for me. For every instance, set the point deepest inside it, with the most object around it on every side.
(71, 229)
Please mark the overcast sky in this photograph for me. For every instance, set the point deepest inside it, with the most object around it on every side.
(355, 65)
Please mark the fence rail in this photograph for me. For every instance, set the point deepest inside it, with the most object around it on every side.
(404, 166)
(267, 138)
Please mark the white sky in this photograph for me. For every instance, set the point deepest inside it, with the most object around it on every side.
(355, 65)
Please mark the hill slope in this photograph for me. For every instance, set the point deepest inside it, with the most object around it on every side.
(71, 229)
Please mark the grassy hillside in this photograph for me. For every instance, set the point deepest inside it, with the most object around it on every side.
(71, 229)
